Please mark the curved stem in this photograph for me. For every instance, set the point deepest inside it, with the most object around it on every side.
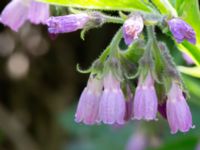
(104, 54)
(156, 50)
(113, 46)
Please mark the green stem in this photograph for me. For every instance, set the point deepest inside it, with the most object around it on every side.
(104, 54)
(110, 19)
(113, 46)
(156, 49)
(150, 33)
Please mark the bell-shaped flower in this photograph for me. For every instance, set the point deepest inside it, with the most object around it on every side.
(181, 30)
(112, 103)
(178, 111)
(145, 104)
(68, 23)
(132, 27)
(38, 12)
(17, 12)
(88, 106)
(14, 14)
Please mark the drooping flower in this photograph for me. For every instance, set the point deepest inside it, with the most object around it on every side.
(129, 105)
(88, 106)
(14, 14)
(132, 27)
(17, 12)
(188, 59)
(112, 103)
(38, 12)
(178, 111)
(181, 30)
(145, 101)
(68, 23)
(162, 109)
(138, 141)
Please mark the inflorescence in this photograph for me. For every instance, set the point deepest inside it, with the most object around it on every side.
(122, 85)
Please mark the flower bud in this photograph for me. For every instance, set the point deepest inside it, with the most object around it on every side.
(112, 103)
(181, 30)
(145, 101)
(178, 111)
(88, 106)
(132, 27)
(68, 23)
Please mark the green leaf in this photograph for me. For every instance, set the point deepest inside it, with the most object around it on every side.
(165, 7)
(127, 5)
(192, 71)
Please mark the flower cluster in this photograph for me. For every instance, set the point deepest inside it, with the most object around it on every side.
(111, 95)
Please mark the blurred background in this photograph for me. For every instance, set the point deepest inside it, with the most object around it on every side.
(40, 88)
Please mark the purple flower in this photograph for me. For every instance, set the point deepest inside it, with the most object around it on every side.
(181, 30)
(137, 141)
(178, 111)
(132, 27)
(145, 101)
(88, 106)
(188, 59)
(38, 12)
(129, 105)
(68, 23)
(112, 103)
(162, 109)
(15, 14)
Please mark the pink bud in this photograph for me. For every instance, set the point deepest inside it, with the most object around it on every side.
(132, 27)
